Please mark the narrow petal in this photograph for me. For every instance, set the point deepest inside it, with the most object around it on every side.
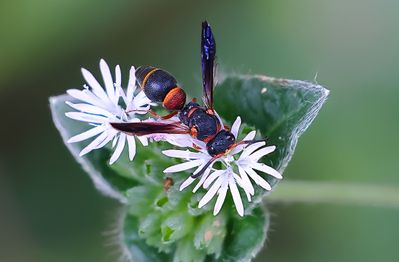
(251, 135)
(211, 192)
(236, 127)
(93, 144)
(121, 93)
(221, 196)
(203, 178)
(110, 135)
(85, 97)
(143, 140)
(131, 142)
(240, 183)
(86, 117)
(251, 148)
(246, 183)
(262, 152)
(131, 86)
(177, 153)
(87, 134)
(118, 149)
(183, 166)
(267, 169)
(186, 183)
(86, 108)
(118, 77)
(107, 77)
(236, 196)
(257, 178)
(96, 87)
(212, 177)
(114, 141)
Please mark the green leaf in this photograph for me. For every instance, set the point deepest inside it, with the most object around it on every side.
(160, 225)
(135, 249)
(280, 109)
(246, 236)
(211, 233)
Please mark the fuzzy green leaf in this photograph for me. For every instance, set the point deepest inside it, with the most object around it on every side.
(280, 109)
(246, 236)
(166, 225)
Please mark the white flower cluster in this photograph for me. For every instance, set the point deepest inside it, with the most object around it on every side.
(244, 158)
(100, 106)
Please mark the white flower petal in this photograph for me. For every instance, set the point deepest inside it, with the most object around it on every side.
(111, 133)
(240, 183)
(85, 97)
(212, 177)
(221, 195)
(236, 196)
(107, 77)
(131, 86)
(86, 117)
(183, 166)
(118, 77)
(96, 87)
(186, 183)
(251, 135)
(236, 127)
(257, 178)
(202, 180)
(86, 108)
(211, 192)
(250, 149)
(262, 152)
(143, 140)
(114, 141)
(132, 147)
(93, 144)
(118, 149)
(246, 183)
(181, 154)
(266, 169)
(87, 134)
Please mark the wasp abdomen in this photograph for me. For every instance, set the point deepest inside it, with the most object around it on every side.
(160, 86)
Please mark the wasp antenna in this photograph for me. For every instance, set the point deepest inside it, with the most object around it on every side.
(253, 141)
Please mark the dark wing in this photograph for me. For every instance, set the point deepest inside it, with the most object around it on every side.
(208, 53)
(147, 128)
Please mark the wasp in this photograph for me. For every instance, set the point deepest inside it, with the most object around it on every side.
(200, 122)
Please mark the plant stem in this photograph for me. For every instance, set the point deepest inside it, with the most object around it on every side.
(335, 193)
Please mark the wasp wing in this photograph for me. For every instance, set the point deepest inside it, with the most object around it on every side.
(208, 54)
(147, 128)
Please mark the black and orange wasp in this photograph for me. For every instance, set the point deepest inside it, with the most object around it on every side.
(200, 122)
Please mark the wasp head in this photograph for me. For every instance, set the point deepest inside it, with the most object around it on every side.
(221, 143)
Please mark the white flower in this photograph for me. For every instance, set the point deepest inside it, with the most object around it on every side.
(218, 181)
(99, 107)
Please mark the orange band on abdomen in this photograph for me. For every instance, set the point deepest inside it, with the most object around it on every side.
(146, 77)
(174, 99)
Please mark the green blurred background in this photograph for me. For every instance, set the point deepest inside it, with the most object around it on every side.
(50, 210)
